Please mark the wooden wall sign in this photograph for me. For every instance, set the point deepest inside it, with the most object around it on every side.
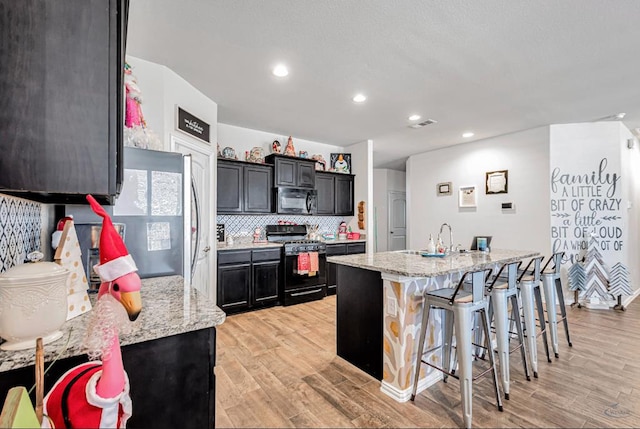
(192, 125)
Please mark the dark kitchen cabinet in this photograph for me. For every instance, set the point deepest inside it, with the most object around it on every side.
(258, 181)
(293, 172)
(337, 250)
(325, 188)
(244, 187)
(61, 114)
(180, 366)
(335, 193)
(248, 279)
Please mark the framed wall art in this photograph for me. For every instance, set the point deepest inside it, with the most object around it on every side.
(497, 182)
(443, 189)
(340, 162)
(467, 196)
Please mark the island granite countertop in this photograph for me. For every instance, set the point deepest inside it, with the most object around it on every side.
(166, 310)
(414, 265)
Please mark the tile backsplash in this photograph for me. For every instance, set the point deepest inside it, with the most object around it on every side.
(239, 225)
(20, 230)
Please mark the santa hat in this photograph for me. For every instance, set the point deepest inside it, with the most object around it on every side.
(115, 260)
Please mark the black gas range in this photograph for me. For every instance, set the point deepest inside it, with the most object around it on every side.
(297, 286)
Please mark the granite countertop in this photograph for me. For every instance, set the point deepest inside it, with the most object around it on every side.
(166, 310)
(330, 242)
(415, 265)
(247, 246)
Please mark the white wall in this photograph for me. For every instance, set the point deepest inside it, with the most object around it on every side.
(631, 196)
(526, 157)
(384, 180)
(163, 90)
(362, 167)
(245, 139)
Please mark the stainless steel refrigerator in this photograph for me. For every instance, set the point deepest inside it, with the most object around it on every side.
(155, 208)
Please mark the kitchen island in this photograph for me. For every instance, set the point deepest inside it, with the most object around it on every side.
(379, 309)
(169, 357)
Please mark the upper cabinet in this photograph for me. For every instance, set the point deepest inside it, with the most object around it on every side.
(244, 187)
(293, 172)
(61, 115)
(335, 194)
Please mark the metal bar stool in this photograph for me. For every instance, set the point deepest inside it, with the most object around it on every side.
(553, 297)
(529, 286)
(462, 305)
(500, 294)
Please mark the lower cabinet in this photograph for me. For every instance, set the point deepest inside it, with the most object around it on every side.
(172, 380)
(248, 279)
(336, 250)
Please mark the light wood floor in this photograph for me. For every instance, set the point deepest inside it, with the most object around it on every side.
(278, 368)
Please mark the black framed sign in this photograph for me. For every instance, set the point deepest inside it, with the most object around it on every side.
(192, 125)
(220, 232)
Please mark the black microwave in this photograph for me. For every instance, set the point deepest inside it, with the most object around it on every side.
(295, 201)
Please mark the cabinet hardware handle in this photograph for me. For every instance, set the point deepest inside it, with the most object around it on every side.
(307, 292)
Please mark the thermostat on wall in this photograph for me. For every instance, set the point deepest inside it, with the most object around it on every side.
(508, 206)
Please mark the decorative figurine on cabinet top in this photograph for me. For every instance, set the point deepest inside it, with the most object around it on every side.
(229, 153)
(321, 164)
(276, 147)
(290, 150)
(256, 155)
(341, 162)
(303, 154)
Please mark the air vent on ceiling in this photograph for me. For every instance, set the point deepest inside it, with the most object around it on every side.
(422, 124)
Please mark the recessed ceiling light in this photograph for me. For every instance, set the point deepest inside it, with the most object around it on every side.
(414, 117)
(359, 98)
(280, 70)
(467, 134)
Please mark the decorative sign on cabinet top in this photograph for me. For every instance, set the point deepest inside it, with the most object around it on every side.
(192, 125)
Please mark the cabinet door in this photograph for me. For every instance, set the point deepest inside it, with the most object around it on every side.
(353, 248)
(286, 172)
(306, 174)
(234, 287)
(230, 191)
(325, 185)
(258, 181)
(344, 196)
(61, 80)
(265, 282)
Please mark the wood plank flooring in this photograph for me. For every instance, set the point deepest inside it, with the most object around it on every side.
(278, 368)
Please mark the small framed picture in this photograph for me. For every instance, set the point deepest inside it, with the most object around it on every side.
(497, 182)
(443, 189)
(467, 196)
(340, 162)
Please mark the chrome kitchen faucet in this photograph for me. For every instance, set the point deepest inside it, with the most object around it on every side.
(450, 235)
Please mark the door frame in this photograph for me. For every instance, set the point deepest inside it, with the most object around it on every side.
(206, 212)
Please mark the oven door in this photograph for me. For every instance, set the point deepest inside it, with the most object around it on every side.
(296, 201)
(302, 287)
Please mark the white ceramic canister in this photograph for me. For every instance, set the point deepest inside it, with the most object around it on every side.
(33, 303)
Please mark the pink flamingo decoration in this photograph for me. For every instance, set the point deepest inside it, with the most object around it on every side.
(96, 394)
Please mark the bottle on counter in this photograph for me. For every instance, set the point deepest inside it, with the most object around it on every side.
(431, 246)
(440, 245)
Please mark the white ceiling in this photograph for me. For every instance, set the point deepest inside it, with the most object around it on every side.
(492, 66)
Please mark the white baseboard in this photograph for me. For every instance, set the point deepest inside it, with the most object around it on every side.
(629, 299)
(405, 395)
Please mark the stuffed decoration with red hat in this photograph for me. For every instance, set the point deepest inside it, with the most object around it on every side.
(96, 394)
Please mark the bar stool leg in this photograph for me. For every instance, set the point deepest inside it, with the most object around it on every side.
(526, 295)
(543, 322)
(492, 362)
(463, 320)
(550, 298)
(563, 309)
(515, 314)
(447, 340)
(423, 334)
(501, 323)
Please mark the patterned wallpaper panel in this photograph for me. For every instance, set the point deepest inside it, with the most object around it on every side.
(20, 227)
(245, 224)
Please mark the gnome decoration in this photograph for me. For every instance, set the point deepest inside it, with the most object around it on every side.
(96, 394)
(289, 150)
(136, 133)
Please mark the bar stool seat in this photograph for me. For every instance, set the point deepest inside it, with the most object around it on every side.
(459, 308)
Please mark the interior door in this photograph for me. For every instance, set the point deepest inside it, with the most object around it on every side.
(202, 210)
(397, 220)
